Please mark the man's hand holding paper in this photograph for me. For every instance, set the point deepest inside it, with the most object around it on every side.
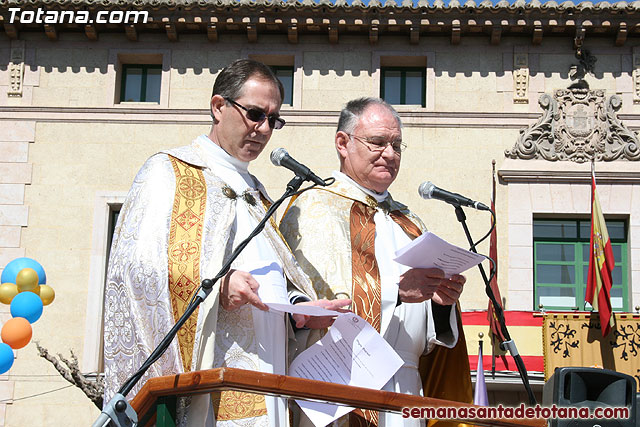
(436, 270)
(240, 288)
(320, 322)
(420, 284)
(264, 286)
(449, 290)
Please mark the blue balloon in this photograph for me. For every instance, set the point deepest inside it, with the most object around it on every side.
(12, 269)
(6, 358)
(27, 305)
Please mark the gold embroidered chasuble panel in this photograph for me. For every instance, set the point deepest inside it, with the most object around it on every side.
(185, 237)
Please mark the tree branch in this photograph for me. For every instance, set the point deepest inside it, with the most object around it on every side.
(92, 389)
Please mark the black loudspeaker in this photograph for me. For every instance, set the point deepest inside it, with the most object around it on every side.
(591, 388)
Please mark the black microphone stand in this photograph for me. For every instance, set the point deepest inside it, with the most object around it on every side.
(508, 344)
(118, 412)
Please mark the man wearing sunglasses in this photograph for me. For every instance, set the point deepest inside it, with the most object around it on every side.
(345, 237)
(188, 208)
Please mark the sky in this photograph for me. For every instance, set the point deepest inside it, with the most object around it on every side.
(496, 1)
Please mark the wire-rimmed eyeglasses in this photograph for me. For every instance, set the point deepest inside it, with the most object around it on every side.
(380, 144)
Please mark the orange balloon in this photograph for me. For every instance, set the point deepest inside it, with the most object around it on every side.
(16, 332)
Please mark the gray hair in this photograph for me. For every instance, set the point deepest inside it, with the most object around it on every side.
(350, 114)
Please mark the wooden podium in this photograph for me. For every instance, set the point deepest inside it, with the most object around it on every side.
(155, 400)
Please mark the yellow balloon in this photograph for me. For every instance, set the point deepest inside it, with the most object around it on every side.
(47, 294)
(27, 279)
(7, 292)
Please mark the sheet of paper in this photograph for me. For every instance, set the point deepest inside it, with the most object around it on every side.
(273, 290)
(273, 286)
(430, 251)
(309, 310)
(351, 353)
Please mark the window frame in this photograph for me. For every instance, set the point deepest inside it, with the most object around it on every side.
(143, 83)
(286, 58)
(105, 206)
(275, 69)
(403, 82)
(579, 263)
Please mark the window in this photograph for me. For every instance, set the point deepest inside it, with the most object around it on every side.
(561, 263)
(114, 212)
(106, 209)
(403, 85)
(288, 69)
(140, 83)
(140, 78)
(285, 75)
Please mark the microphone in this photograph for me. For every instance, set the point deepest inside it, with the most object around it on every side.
(428, 190)
(280, 157)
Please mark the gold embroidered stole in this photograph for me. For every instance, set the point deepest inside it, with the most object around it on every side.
(185, 239)
(366, 289)
(185, 236)
(365, 292)
(410, 229)
(237, 405)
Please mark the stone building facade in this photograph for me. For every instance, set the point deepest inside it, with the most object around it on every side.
(71, 140)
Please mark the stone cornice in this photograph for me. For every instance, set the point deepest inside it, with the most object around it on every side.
(372, 20)
(298, 117)
(155, 115)
(566, 172)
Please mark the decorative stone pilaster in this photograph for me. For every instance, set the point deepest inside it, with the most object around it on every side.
(636, 79)
(520, 78)
(16, 69)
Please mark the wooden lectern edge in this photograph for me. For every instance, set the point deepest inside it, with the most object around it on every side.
(212, 380)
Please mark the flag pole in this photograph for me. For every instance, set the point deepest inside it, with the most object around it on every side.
(601, 263)
(480, 395)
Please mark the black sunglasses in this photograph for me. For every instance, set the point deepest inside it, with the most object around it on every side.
(258, 116)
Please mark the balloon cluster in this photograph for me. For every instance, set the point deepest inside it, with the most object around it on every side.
(23, 287)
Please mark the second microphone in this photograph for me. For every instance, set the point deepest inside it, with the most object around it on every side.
(280, 157)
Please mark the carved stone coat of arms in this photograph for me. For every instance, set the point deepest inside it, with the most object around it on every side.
(579, 125)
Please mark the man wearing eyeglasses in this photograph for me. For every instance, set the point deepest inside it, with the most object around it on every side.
(188, 208)
(345, 237)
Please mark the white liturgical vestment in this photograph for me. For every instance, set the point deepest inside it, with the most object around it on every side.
(138, 310)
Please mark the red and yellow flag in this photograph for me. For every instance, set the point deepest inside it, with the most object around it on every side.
(601, 263)
(496, 331)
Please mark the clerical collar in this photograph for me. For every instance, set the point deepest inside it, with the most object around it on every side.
(217, 154)
(378, 196)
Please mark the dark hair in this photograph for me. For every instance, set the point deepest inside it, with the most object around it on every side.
(351, 113)
(232, 78)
